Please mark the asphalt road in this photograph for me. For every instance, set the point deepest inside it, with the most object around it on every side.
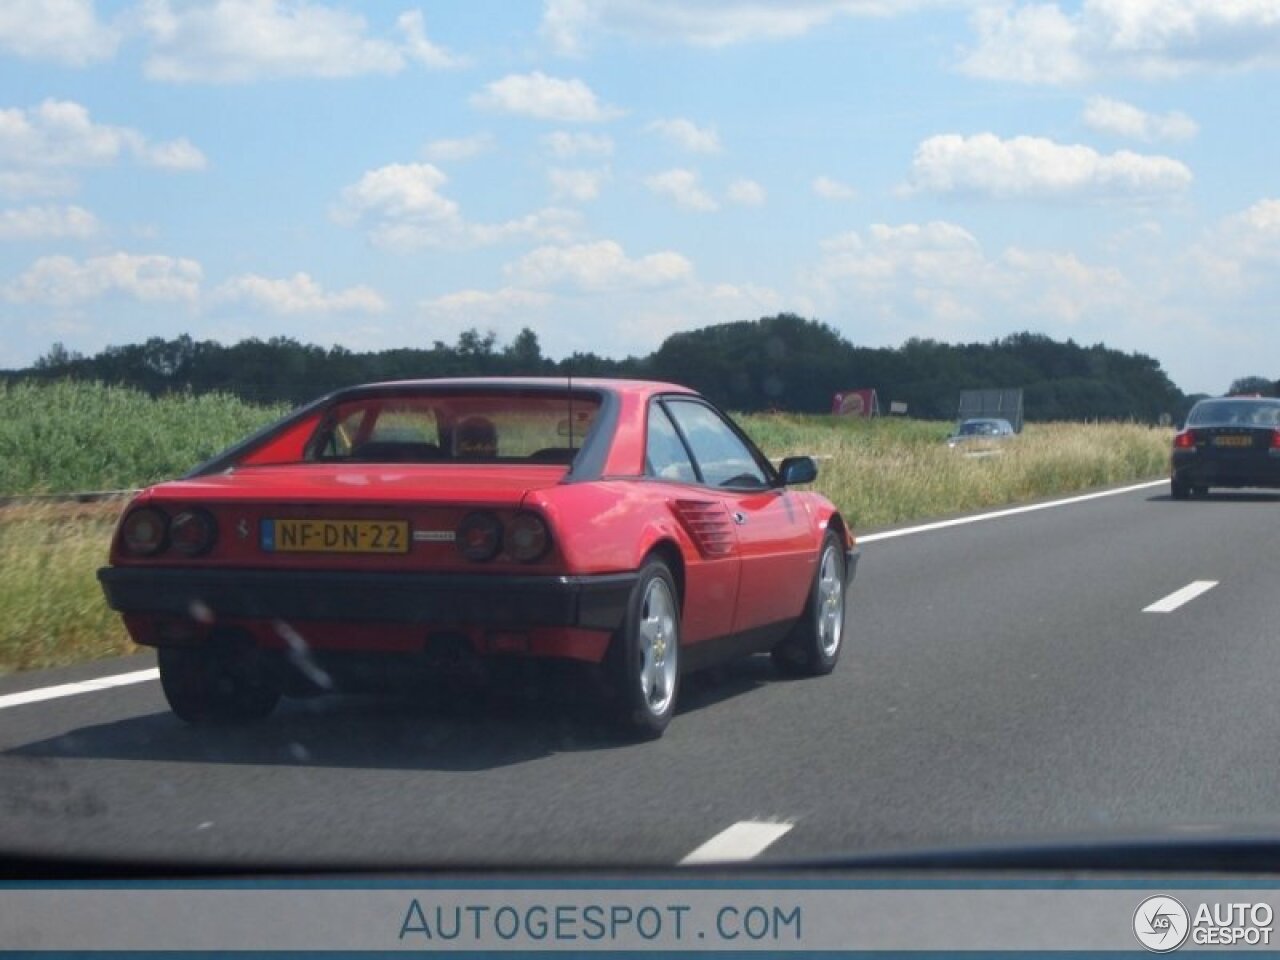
(1001, 680)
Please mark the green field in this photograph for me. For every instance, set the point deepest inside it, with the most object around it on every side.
(68, 437)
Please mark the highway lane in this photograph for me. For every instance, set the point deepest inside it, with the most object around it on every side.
(1002, 680)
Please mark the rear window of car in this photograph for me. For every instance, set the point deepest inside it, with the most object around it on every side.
(499, 427)
(1243, 413)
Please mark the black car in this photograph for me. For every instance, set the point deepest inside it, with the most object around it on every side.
(1227, 442)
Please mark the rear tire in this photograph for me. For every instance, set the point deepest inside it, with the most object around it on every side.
(1179, 489)
(217, 684)
(646, 655)
(814, 644)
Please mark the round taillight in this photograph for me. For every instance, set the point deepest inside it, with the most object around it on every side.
(144, 531)
(479, 536)
(527, 537)
(193, 532)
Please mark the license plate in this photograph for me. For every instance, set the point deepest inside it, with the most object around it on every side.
(335, 536)
(1233, 441)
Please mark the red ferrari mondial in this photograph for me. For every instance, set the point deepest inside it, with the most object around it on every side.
(447, 529)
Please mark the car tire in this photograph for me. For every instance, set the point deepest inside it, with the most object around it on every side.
(1179, 489)
(217, 684)
(646, 654)
(813, 647)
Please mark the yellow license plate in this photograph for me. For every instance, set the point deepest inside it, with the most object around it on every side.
(335, 536)
(1233, 441)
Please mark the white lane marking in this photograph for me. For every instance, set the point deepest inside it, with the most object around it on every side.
(1010, 512)
(1176, 599)
(72, 689)
(744, 840)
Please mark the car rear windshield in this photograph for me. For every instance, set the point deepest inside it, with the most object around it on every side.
(472, 427)
(1244, 413)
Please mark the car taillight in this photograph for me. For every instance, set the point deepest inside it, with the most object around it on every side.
(143, 531)
(527, 537)
(1186, 440)
(193, 532)
(479, 536)
(1275, 439)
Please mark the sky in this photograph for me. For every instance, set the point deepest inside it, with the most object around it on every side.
(609, 172)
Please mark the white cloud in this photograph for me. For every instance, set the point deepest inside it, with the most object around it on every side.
(418, 47)
(935, 280)
(66, 32)
(462, 148)
(473, 305)
(1242, 251)
(683, 187)
(602, 265)
(567, 24)
(236, 41)
(173, 155)
(1035, 43)
(830, 189)
(578, 185)
(299, 294)
(1125, 120)
(399, 191)
(1036, 168)
(64, 281)
(403, 209)
(60, 134)
(565, 146)
(1043, 43)
(746, 193)
(36, 183)
(38, 223)
(687, 135)
(544, 98)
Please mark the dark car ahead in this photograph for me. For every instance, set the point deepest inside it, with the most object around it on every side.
(1227, 442)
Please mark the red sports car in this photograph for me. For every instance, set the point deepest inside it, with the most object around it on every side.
(449, 528)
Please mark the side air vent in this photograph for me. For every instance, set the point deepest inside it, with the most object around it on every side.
(708, 524)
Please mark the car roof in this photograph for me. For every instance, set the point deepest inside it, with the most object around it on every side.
(1261, 401)
(615, 385)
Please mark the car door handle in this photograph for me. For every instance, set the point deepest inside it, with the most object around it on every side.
(739, 518)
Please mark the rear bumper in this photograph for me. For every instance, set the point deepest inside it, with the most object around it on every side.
(588, 602)
(1202, 469)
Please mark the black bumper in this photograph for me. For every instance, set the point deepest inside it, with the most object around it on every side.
(591, 602)
(1203, 468)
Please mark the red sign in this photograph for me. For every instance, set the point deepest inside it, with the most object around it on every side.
(856, 403)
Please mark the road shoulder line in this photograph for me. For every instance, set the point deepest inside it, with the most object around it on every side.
(72, 689)
(1007, 512)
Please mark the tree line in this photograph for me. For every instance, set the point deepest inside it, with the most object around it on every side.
(784, 362)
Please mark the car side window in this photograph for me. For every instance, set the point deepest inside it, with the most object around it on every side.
(725, 461)
(664, 453)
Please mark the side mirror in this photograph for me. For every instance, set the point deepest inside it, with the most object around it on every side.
(798, 470)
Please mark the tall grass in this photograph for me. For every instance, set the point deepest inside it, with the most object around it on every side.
(51, 607)
(886, 471)
(66, 437)
(86, 436)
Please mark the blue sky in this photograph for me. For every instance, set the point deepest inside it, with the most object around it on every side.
(389, 174)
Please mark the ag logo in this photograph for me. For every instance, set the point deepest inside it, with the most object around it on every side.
(1161, 924)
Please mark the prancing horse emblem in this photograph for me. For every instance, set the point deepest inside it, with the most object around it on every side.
(242, 528)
